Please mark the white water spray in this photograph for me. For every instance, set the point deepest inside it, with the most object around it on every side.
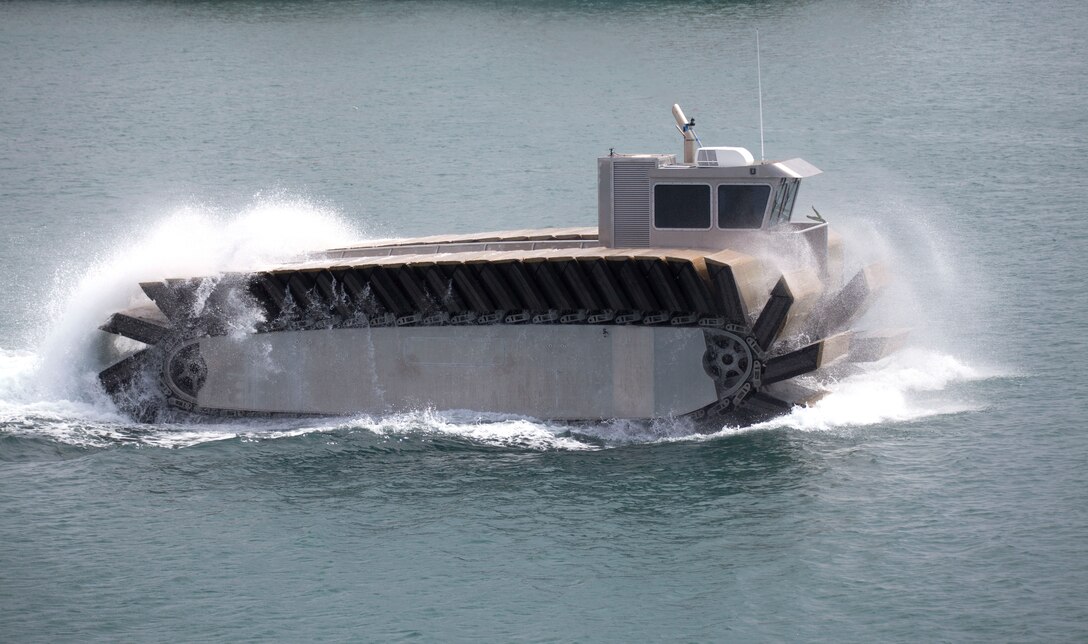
(190, 241)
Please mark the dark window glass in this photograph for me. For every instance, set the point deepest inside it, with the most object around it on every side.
(742, 206)
(681, 206)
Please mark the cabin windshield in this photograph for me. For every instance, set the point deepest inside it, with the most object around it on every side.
(784, 197)
(742, 205)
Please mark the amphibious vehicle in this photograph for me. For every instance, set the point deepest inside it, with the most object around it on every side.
(696, 295)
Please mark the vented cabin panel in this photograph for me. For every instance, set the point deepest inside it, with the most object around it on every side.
(631, 203)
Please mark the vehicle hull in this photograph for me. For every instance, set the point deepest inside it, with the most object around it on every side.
(556, 372)
(585, 333)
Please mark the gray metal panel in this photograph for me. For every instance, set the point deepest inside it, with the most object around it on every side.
(631, 202)
(604, 201)
(679, 382)
(547, 371)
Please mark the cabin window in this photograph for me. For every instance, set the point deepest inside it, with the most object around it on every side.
(682, 206)
(784, 197)
(742, 205)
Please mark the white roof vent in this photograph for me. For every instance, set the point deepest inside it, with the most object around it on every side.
(723, 157)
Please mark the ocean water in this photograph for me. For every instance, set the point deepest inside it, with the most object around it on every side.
(941, 494)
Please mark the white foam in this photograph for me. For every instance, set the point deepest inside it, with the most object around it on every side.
(500, 430)
(894, 390)
(72, 425)
(16, 372)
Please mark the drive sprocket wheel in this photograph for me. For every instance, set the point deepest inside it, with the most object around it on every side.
(728, 360)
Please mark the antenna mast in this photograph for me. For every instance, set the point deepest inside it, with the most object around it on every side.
(759, 80)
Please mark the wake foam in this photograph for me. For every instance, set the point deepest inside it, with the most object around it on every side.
(910, 385)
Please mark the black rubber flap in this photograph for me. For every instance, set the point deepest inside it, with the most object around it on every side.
(773, 316)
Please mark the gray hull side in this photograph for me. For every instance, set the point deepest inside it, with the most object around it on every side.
(558, 372)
